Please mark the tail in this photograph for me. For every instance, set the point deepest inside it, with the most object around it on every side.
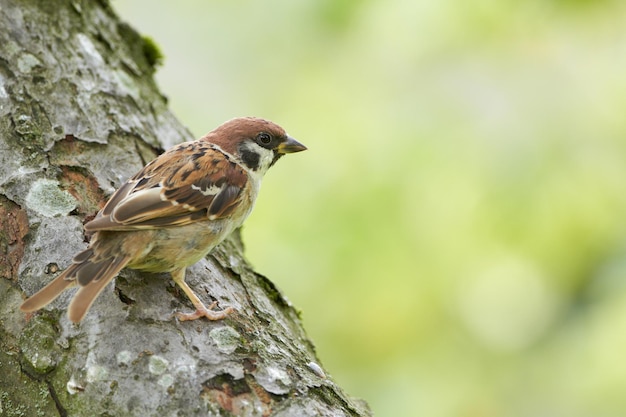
(90, 272)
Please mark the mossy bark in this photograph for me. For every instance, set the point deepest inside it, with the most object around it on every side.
(80, 113)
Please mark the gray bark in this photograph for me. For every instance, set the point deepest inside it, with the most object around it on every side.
(80, 113)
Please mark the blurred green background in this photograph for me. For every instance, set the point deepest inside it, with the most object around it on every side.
(455, 234)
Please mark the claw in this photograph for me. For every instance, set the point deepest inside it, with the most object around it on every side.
(206, 312)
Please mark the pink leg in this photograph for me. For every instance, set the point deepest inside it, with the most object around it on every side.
(201, 310)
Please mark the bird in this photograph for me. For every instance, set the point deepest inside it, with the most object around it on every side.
(172, 213)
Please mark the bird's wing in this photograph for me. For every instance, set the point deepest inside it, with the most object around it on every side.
(190, 182)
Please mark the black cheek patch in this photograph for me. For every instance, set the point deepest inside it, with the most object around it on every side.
(250, 158)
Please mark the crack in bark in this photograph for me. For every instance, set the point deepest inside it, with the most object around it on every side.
(57, 402)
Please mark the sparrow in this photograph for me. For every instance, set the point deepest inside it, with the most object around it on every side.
(173, 212)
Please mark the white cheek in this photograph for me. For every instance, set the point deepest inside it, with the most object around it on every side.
(266, 157)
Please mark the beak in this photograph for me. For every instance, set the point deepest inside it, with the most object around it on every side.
(290, 146)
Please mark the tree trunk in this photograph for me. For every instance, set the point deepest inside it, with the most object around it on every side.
(80, 113)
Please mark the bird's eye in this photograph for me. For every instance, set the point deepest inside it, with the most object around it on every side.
(264, 138)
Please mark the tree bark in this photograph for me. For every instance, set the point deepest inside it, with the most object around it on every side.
(80, 113)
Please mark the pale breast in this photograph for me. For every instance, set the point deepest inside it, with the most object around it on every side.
(177, 247)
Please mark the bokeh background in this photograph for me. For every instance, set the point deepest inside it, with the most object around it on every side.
(455, 235)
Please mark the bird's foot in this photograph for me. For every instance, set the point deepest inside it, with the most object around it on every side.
(202, 311)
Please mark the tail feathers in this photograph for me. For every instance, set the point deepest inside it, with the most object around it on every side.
(90, 275)
(87, 294)
(48, 293)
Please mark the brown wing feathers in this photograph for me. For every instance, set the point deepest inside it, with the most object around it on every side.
(186, 186)
(224, 201)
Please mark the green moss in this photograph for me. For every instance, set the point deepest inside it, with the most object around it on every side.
(30, 122)
(153, 53)
(21, 395)
(10, 409)
(40, 352)
(272, 292)
(144, 51)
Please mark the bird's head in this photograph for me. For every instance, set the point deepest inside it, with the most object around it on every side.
(257, 143)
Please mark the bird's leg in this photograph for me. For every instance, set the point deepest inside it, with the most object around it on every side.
(201, 310)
